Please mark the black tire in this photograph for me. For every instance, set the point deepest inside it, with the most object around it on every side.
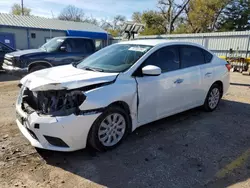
(93, 139)
(36, 68)
(206, 105)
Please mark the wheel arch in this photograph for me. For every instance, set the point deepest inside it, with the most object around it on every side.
(220, 83)
(123, 105)
(36, 63)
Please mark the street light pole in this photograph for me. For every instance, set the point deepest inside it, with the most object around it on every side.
(22, 7)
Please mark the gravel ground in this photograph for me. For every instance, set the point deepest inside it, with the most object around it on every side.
(191, 149)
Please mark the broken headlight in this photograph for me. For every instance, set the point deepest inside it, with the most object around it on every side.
(55, 103)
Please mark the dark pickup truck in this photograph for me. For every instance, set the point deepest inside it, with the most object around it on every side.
(57, 51)
(4, 49)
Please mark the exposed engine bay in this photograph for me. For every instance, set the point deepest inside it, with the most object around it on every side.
(53, 103)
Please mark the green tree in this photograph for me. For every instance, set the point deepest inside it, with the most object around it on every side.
(16, 9)
(154, 22)
(114, 33)
(171, 11)
(204, 15)
(236, 16)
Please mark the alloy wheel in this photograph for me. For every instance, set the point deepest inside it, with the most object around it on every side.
(214, 98)
(112, 129)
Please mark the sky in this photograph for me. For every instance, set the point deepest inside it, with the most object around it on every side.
(100, 9)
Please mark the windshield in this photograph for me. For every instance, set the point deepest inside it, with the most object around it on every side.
(52, 44)
(114, 58)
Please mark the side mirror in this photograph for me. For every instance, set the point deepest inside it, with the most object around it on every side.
(63, 48)
(151, 70)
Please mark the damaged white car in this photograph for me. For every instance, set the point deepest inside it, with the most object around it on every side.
(100, 100)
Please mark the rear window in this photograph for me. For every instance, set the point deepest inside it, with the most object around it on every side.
(208, 56)
(82, 45)
(191, 56)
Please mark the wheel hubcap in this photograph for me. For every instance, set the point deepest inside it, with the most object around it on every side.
(112, 129)
(214, 98)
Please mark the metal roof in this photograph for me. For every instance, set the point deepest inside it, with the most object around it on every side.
(46, 23)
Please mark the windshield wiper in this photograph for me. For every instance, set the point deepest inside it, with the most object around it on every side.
(93, 69)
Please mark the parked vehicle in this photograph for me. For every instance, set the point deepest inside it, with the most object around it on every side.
(116, 90)
(57, 51)
(3, 50)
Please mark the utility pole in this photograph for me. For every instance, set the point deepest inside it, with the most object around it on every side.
(22, 7)
(171, 15)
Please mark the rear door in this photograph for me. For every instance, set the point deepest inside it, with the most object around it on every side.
(192, 61)
(207, 72)
(81, 48)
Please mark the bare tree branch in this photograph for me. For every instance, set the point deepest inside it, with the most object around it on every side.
(72, 13)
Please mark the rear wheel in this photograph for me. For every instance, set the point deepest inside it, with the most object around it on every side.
(110, 128)
(36, 68)
(213, 98)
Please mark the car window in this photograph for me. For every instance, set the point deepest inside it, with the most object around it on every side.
(167, 58)
(68, 45)
(114, 58)
(208, 56)
(191, 56)
(82, 45)
(53, 44)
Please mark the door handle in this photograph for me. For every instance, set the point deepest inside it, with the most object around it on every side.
(178, 81)
(208, 74)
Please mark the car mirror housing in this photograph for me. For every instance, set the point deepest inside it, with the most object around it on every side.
(63, 48)
(151, 70)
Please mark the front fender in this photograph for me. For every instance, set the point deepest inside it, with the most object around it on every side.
(43, 62)
(121, 90)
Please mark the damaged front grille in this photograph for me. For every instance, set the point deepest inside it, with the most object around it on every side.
(55, 103)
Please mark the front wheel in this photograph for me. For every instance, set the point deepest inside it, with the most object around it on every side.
(110, 128)
(213, 98)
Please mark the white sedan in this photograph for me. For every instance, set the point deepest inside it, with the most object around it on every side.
(100, 100)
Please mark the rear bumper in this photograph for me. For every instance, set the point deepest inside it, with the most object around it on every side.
(226, 82)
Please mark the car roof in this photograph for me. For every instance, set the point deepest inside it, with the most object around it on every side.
(155, 42)
(69, 37)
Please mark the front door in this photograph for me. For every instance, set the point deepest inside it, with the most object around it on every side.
(158, 95)
(77, 49)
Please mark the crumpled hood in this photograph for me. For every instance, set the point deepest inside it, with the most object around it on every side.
(64, 77)
(25, 52)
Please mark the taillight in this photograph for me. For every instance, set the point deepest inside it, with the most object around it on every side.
(228, 66)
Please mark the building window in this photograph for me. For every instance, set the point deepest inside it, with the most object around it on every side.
(33, 35)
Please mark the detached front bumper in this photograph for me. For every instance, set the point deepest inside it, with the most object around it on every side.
(14, 70)
(67, 133)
